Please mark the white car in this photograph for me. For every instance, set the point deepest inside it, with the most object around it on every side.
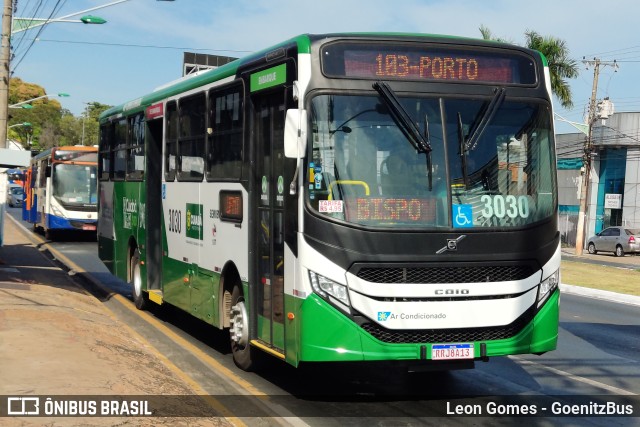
(15, 196)
(619, 240)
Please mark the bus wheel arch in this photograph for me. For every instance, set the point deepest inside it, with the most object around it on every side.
(237, 317)
(229, 279)
(140, 298)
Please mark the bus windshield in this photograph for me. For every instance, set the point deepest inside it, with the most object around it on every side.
(75, 184)
(491, 161)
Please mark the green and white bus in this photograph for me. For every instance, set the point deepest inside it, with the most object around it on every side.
(345, 197)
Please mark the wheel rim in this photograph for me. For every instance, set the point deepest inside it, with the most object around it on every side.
(239, 330)
(137, 279)
(591, 248)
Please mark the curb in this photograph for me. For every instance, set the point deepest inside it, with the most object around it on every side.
(71, 266)
(600, 294)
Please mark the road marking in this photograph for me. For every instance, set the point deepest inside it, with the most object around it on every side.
(201, 355)
(245, 386)
(194, 385)
(207, 360)
(31, 267)
(573, 377)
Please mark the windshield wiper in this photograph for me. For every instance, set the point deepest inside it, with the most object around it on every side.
(487, 115)
(402, 118)
(468, 143)
(409, 129)
(462, 152)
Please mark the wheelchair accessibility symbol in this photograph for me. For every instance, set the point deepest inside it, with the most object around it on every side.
(462, 216)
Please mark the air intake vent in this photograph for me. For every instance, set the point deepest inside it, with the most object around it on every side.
(453, 274)
(447, 335)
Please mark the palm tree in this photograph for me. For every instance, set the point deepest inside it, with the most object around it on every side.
(561, 66)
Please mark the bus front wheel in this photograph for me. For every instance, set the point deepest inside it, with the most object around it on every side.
(140, 298)
(243, 353)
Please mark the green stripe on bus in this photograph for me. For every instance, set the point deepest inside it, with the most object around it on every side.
(268, 78)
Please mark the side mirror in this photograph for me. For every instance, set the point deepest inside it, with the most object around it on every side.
(47, 171)
(295, 134)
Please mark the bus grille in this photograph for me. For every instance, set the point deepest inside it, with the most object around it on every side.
(425, 336)
(80, 208)
(453, 274)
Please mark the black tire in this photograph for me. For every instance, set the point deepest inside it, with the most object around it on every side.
(244, 356)
(619, 251)
(140, 298)
(592, 249)
(49, 234)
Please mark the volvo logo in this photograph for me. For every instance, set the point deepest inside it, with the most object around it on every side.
(452, 245)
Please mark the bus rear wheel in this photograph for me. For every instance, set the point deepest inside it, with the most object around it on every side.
(243, 353)
(140, 298)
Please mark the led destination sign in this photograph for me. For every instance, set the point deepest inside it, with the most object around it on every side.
(393, 209)
(425, 62)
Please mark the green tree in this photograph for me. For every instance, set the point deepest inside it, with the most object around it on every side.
(44, 112)
(561, 66)
(90, 124)
(52, 125)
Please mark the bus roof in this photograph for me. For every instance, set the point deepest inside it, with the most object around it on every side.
(302, 42)
(48, 151)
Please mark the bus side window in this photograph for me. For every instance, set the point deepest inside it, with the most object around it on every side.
(171, 141)
(120, 150)
(104, 164)
(192, 129)
(224, 135)
(135, 152)
(42, 177)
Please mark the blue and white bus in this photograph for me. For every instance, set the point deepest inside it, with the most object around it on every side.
(61, 190)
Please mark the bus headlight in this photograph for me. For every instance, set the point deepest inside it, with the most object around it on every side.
(328, 289)
(56, 211)
(547, 286)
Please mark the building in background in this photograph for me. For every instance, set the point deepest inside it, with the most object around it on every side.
(614, 191)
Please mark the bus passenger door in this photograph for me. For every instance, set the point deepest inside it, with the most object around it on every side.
(153, 188)
(268, 120)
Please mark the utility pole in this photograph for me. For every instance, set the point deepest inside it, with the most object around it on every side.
(588, 151)
(5, 72)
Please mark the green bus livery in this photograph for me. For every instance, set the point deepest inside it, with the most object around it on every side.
(345, 197)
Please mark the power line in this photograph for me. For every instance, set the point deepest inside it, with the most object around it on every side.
(140, 45)
(56, 8)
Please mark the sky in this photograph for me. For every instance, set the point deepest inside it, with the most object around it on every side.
(141, 46)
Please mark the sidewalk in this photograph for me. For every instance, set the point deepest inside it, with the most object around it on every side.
(56, 339)
(628, 261)
(602, 258)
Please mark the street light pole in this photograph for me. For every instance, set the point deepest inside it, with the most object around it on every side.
(20, 124)
(588, 151)
(28, 23)
(5, 57)
(19, 104)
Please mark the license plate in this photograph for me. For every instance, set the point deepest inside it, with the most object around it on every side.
(452, 351)
(90, 227)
